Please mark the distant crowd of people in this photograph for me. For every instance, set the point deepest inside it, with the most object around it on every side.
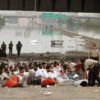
(10, 47)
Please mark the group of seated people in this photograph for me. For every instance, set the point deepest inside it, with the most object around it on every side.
(24, 73)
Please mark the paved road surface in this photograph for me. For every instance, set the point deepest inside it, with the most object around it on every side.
(57, 93)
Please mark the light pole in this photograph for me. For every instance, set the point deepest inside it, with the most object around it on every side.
(35, 2)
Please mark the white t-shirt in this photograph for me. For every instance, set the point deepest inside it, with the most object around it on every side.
(44, 74)
(16, 72)
(4, 75)
(52, 75)
(38, 72)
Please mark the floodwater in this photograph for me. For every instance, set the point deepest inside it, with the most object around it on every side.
(35, 41)
(36, 33)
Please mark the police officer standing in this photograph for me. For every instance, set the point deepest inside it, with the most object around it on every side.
(94, 53)
(10, 48)
(3, 48)
(18, 47)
